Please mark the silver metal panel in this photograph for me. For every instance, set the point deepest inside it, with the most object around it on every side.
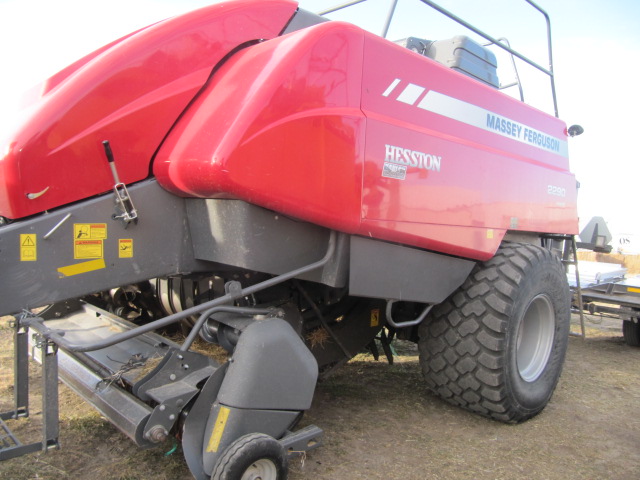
(385, 270)
(236, 233)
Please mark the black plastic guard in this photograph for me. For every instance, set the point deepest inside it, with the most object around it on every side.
(269, 380)
(195, 424)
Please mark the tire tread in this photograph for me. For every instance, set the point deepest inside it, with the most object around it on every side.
(631, 333)
(461, 350)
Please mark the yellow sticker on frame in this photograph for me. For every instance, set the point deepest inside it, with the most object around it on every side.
(375, 318)
(84, 267)
(86, 249)
(125, 248)
(89, 231)
(28, 247)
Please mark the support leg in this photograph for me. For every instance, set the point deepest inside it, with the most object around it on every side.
(50, 407)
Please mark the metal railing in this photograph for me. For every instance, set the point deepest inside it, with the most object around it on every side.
(495, 41)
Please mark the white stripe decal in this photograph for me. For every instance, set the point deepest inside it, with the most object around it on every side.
(390, 88)
(487, 120)
(476, 116)
(410, 94)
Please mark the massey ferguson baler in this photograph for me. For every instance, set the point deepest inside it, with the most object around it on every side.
(289, 188)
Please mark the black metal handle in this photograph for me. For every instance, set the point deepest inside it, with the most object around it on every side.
(107, 151)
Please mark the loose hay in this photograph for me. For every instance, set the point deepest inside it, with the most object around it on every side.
(318, 337)
(148, 366)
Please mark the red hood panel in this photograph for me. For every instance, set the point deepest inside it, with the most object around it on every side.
(130, 92)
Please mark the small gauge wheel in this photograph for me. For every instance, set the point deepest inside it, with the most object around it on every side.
(252, 457)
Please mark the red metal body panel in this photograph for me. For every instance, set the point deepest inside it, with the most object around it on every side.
(480, 182)
(303, 124)
(280, 126)
(329, 124)
(130, 93)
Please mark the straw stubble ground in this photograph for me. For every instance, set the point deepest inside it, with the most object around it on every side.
(381, 423)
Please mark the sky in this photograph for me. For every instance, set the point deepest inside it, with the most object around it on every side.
(596, 48)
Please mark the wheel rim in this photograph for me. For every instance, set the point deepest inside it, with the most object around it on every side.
(263, 469)
(535, 338)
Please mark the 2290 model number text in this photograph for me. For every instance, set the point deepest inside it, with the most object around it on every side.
(557, 191)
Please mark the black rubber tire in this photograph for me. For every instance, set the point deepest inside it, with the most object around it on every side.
(251, 452)
(631, 333)
(470, 351)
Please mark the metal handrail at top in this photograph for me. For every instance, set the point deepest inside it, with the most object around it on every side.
(496, 41)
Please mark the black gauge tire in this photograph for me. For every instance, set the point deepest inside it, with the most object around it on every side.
(252, 452)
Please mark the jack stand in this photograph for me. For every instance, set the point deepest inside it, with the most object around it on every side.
(10, 446)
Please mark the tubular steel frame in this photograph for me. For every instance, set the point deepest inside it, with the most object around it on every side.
(548, 71)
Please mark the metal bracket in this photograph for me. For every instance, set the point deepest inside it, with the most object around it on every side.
(303, 440)
(409, 323)
(172, 385)
(125, 210)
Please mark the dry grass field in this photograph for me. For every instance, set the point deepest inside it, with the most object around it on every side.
(381, 423)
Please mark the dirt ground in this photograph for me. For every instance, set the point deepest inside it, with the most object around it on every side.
(381, 423)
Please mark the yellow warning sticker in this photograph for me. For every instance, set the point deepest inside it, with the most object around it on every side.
(375, 318)
(89, 231)
(125, 248)
(218, 429)
(633, 289)
(84, 249)
(489, 233)
(28, 247)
